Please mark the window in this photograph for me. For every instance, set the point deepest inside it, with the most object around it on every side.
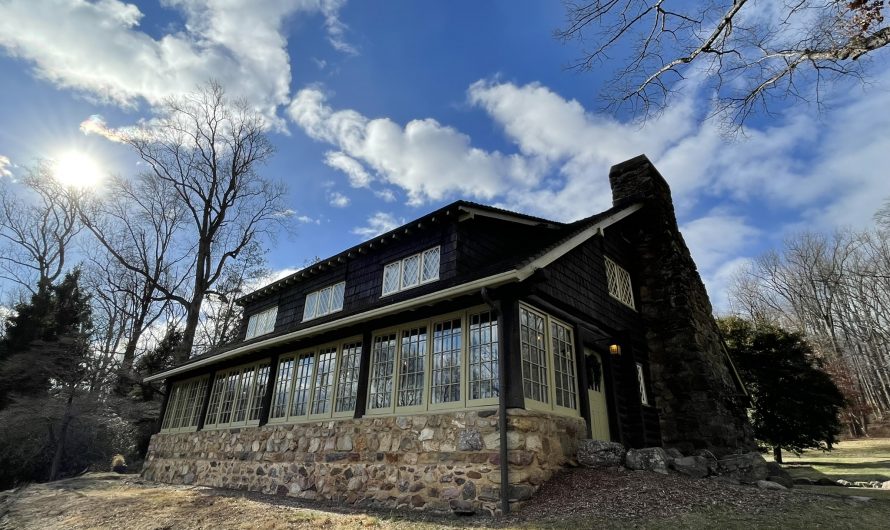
(412, 271)
(619, 283)
(483, 356)
(423, 366)
(237, 396)
(184, 405)
(261, 323)
(549, 374)
(641, 379)
(324, 301)
(320, 383)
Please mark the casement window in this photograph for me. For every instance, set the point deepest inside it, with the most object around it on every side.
(324, 301)
(641, 379)
(412, 271)
(549, 374)
(619, 283)
(184, 405)
(237, 396)
(430, 364)
(261, 323)
(316, 384)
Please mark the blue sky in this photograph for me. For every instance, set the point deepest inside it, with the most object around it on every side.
(383, 111)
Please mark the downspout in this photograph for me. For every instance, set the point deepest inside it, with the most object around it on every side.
(502, 402)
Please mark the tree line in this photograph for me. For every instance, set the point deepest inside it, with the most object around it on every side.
(834, 289)
(107, 285)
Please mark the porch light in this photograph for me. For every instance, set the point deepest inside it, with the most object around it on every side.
(615, 349)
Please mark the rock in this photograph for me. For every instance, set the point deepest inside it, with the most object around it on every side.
(600, 454)
(462, 507)
(344, 443)
(844, 483)
(747, 467)
(691, 466)
(674, 453)
(825, 481)
(767, 485)
(426, 434)
(802, 481)
(779, 479)
(648, 459)
(885, 485)
(189, 478)
(469, 440)
(857, 499)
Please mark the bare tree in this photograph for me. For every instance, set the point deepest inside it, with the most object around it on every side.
(38, 221)
(749, 50)
(205, 150)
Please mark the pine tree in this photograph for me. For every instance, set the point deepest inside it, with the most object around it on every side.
(794, 403)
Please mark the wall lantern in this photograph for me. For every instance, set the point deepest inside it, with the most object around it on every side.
(615, 349)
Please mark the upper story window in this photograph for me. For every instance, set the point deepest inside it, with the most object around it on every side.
(411, 271)
(619, 283)
(261, 323)
(549, 377)
(324, 301)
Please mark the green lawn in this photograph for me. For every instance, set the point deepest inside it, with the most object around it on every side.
(853, 460)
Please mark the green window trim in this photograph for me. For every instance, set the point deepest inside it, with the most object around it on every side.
(237, 395)
(184, 405)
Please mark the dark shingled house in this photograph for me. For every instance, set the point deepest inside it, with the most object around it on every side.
(456, 361)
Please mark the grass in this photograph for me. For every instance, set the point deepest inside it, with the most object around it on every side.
(853, 460)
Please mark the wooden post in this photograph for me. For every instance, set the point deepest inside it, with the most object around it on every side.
(206, 401)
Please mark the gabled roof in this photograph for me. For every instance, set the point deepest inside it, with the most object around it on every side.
(452, 212)
(574, 234)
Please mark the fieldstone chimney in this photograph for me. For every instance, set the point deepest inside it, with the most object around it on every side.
(700, 400)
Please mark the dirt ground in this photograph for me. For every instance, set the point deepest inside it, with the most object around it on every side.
(577, 499)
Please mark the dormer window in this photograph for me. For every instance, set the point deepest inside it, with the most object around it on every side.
(324, 301)
(261, 323)
(619, 283)
(412, 271)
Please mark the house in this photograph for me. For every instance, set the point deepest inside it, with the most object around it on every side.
(456, 361)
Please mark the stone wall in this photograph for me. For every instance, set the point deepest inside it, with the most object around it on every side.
(432, 461)
(699, 402)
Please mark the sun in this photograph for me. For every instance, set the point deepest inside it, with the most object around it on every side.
(77, 170)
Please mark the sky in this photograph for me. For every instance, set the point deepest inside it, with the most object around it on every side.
(381, 112)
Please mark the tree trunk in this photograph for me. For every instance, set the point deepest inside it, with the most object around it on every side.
(63, 434)
(777, 454)
(184, 350)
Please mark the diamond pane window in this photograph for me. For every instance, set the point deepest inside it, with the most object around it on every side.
(619, 283)
(430, 265)
(282, 388)
(411, 271)
(324, 301)
(391, 274)
(337, 296)
(412, 364)
(237, 395)
(256, 400)
(261, 323)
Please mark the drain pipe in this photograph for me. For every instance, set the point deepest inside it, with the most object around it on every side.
(502, 401)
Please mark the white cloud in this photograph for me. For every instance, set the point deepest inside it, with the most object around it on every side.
(378, 223)
(430, 161)
(305, 219)
(98, 48)
(338, 200)
(5, 164)
(358, 177)
(386, 194)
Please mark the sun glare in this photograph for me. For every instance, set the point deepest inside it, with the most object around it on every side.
(77, 170)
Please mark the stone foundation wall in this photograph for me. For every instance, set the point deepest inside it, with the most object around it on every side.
(431, 461)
